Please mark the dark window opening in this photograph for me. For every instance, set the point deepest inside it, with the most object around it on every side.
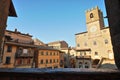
(106, 41)
(78, 45)
(41, 61)
(54, 61)
(85, 44)
(42, 53)
(46, 53)
(46, 61)
(80, 66)
(50, 53)
(94, 43)
(86, 66)
(50, 60)
(91, 15)
(9, 49)
(8, 60)
(96, 53)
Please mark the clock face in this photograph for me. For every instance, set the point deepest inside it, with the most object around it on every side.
(93, 29)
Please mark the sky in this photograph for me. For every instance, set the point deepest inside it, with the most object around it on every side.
(52, 20)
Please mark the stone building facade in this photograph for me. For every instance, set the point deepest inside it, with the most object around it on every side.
(38, 42)
(18, 50)
(47, 58)
(6, 9)
(58, 44)
(21, 52)
(93, 45)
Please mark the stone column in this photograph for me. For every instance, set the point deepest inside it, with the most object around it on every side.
(113, 14)
(4, 11)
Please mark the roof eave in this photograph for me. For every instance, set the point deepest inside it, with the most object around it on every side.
(12, 11)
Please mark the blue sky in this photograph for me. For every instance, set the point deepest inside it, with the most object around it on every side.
(52, 20)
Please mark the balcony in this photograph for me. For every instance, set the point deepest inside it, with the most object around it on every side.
(24, 55)
(83, 57)
(30, 42)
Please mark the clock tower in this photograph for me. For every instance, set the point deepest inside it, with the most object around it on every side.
(94, 20)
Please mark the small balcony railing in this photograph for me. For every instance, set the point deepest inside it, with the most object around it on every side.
(30, 42)
(83, 57)
(24, 55)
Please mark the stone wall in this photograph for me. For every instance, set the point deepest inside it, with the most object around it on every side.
(58, 74)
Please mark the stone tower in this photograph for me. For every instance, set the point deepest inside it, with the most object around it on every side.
(94, 20)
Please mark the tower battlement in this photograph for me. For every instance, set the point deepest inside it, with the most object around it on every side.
(94, 8)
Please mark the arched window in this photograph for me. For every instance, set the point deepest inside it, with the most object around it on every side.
(91, 15)
(46, 53)
(94, 43)
(80, 65)
(106, 41)
(96, 53)
(85, 43)
(87, 65)
(78, 45)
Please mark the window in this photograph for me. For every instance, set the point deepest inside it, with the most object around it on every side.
(25, 51)
(50, 60)
(80, 53)
(58, 53)
(46, 61)
(9, 49)
(106, 41)
(50, 53)
(94, 43)
(42, 53)
(41, 61)
(96, 53)
(78, 45)
(91, 15)
(84, 53)
(8, 60)
(86, 66)
(57, 60)
(46, 53)
(20, 50)
(54, 61)
(85, 44)
(54, 53)
(80, 65)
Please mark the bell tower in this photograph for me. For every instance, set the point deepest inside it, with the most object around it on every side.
(94, 20)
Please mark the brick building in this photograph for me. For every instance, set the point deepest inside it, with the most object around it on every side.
(21, 52)
(47, 57)
(18, 50)
(6, 9)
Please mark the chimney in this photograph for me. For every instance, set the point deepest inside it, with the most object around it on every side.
(15, 30)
